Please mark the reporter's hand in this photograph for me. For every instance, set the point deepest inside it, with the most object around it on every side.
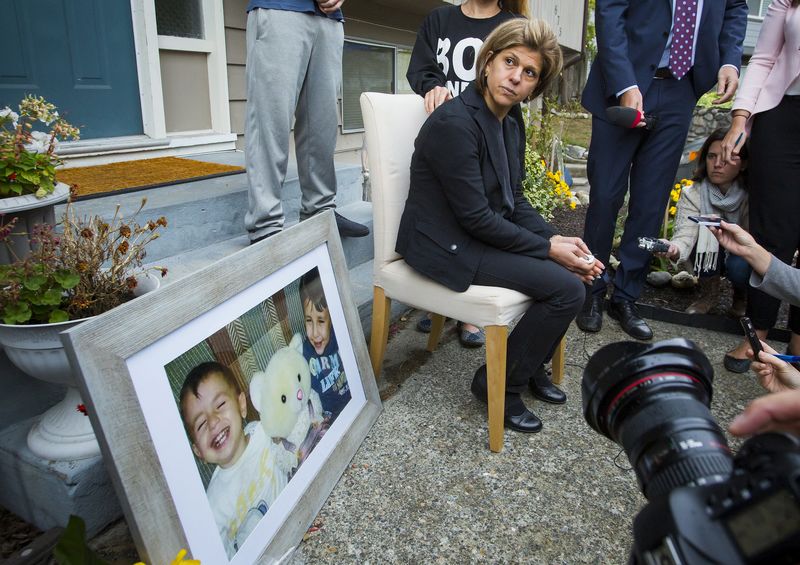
(633, 99)
(435, 97)
(734, 140)
(570, 252)
(329, 6)
(672, 253)
(779, 411)
(774, 374)
(736, 240)
(727, 81)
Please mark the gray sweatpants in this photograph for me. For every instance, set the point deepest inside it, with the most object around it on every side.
(294, 67)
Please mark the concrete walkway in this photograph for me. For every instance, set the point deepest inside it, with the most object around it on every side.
(424, 488)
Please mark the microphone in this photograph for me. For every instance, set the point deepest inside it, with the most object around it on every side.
(625, 117)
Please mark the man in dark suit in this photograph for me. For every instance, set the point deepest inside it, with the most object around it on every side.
(659, 57)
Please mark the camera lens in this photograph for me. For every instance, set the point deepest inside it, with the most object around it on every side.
(653, 399)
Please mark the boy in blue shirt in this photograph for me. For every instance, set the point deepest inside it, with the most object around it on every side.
(320, 348)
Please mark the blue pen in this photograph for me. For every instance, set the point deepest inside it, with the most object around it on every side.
(788, 358)
(738, 139)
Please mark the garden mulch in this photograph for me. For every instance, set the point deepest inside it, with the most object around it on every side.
(668, 304)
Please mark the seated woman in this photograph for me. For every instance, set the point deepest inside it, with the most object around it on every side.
(720, 189)
(466, 221)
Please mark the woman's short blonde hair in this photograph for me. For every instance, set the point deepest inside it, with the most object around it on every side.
(534, 34)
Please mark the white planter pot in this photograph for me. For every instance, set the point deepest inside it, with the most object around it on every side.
(62, 432)
(29, 211)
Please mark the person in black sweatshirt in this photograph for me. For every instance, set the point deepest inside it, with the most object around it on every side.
(443, 64)
(443, 60)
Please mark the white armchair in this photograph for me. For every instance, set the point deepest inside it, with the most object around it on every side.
(391, 124)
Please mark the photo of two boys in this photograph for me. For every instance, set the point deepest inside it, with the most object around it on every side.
(256, 397)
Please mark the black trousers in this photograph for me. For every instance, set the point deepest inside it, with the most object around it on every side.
(646, 161)
(558, 296)
(775, 199)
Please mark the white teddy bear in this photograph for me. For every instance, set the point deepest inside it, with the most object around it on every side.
(289, 408)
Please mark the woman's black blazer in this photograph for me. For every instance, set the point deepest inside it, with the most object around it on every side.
(465, 194)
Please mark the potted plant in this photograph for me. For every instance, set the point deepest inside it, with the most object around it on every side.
(28, 187)
(91, 266)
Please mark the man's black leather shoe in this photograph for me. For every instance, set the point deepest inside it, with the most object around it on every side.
(543, 388)
(349, 228)
(628, 317)
(526, 422)
(590, 318)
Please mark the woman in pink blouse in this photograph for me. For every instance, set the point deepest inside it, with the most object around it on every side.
(767, 110)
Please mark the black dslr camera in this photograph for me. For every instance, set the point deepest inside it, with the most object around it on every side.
(705, 506)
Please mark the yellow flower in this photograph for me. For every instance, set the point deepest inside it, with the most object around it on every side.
(678, 185)
(179, 559)
(572, 204)
(672, 210)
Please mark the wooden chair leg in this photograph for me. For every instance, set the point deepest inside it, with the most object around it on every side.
(558, 362)
(381, 308)
(437, 325)
(496, 338)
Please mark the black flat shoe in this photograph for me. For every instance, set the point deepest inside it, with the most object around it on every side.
(590, 318)
(525, 422)
(628, 317)
(542, 388)
(735, 365)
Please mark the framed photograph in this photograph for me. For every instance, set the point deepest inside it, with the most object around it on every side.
(228, 403)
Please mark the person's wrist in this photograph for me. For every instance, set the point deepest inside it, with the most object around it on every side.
(759, 258)
(743, 114)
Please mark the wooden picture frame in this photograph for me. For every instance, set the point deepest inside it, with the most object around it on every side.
(237, 312)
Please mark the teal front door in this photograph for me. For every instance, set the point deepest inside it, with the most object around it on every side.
(79, 55)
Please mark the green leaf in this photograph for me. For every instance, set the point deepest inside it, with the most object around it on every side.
(31, 177)
(72, 548)
(67, 279)
(51, 297)
(58, 315)
(17, 313)
(34, 282)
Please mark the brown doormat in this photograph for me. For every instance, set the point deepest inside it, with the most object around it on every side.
(129, 176)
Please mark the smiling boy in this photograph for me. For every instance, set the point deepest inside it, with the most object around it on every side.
(320, 348)
(250, 468)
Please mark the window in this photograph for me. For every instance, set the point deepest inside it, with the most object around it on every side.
(180, 18)
(403, 59)
(758, 7)
(366, 67)
(370, 67)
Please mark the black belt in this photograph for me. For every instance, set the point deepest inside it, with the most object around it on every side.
(662, 72)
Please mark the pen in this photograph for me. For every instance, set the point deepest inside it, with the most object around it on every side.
(738, 139)
(788, 358)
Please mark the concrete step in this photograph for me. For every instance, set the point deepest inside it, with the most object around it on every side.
(357, 251)
(576, 169)
(205, 212)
